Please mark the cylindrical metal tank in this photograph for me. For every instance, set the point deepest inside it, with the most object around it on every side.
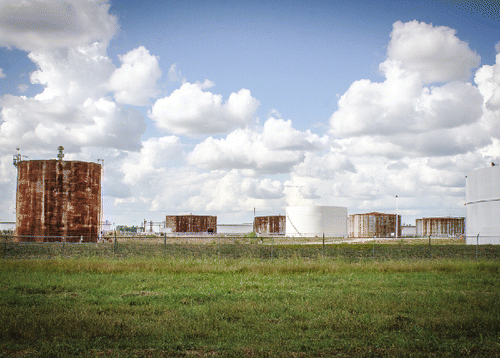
(483, 206)
(311, 221)
(58, 199)
(374, 225)
(191, 223)
(269, 225)
(440, 227)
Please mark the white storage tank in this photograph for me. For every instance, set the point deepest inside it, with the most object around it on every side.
(483, 206)
(316, 220)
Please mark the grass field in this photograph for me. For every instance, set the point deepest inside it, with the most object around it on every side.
(242, 248)
(287, 307)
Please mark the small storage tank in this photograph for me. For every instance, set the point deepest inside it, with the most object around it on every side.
(374, 225)
(191, 224)
(58, 199)
(440, 227)
(311, 221)
(269, 225)
(483, 206)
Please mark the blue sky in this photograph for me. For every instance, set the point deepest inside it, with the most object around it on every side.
(224, 106)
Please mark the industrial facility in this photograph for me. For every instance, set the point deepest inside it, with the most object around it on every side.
(483, 206)
(269, 225)
(440, 227)
(191, 224)
(57, 200)
(316, 220)
(374, 225)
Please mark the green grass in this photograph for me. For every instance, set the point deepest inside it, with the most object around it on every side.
(247, 307)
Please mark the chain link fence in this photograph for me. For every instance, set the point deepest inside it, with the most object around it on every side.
(237, 247)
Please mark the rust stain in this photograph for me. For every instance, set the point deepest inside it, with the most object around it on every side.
(57, 199)
(270, 224)
(192, 223)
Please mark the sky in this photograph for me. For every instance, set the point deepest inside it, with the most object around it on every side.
(233, 107)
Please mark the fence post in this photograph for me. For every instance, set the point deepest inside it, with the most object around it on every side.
(5, 245)
(164, 244)
(62, 251)
(477, 244)
(430, 251)
(114, 245)
(272, 247)
(373, 249)
(323, 245)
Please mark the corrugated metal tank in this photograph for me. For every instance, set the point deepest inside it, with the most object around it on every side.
(311, 221)
(440, 227)
(483, 206)
(374, 225)
(57, 199)
(269, 225)
(191, 223)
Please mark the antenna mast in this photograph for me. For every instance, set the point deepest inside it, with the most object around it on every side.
(16, 158)
(60, 156)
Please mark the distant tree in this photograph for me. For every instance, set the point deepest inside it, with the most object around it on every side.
(124, 228)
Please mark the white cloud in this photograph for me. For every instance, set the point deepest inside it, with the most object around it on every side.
(491, 153)
(30, 123)
(274, 148)
(230, 191)
(75, 109)
(243, 149)
(435, 52)
(38, 24)
(370, 146)
(72, 74)
(404, 117)
(369, 107)
(190, 110)
(451, 105)
(22, 87)
(135, 81)
(325, 167)
(401, 103)
(279, 134)
(174, 75)
(72, 109)
(488, 81)
(2, 75)
(154, 157)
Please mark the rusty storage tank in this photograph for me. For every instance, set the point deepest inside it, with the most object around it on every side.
(440, 227)
(58, 199)
(191, 224)
(374, 225)
(270, 225)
